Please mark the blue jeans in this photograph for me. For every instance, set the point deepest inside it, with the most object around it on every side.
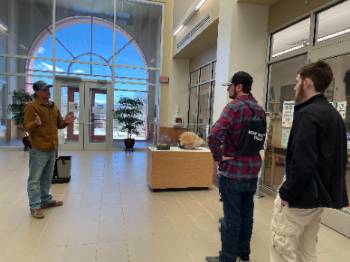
(41, 167)
(237, 225)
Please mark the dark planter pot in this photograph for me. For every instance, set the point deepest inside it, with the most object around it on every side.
(129, 144)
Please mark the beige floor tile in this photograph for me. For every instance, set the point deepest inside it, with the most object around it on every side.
(112, 252)
(83, 233)
(43, 254)
(25, 237)
(111, 231)
(111, 212)
(328, 257)
(55, 234)
(148, 228)
(184, 225)
(81, 253)
(87, 214)
(158, 249)
(111, 215)
(14, 256)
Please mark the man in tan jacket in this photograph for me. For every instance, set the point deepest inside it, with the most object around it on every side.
(42, 119)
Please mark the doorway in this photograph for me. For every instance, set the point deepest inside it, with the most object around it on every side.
(92, 105)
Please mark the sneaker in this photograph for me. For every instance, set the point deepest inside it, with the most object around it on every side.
(244, 259)
(221, 219)
(37, 213)
(212, 259)
(51, 204)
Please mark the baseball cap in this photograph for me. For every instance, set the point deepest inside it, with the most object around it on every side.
(228, 83)
(241, 77)
(40, 85)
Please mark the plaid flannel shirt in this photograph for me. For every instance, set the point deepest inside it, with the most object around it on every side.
(225, 134)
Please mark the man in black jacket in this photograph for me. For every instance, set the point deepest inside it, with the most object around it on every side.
(315, 169)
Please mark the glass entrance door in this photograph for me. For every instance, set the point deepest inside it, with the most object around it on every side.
(91, 105)
(98, 116)
(69, 97)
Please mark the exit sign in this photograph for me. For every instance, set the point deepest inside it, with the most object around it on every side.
(164, 79)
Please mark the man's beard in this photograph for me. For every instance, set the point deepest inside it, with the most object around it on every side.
(234, 95)
(300, 95)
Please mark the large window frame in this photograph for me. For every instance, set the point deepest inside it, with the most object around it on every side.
(196, 85)
(332, 36)
(312, 51)
(333, 47)
(151, 67)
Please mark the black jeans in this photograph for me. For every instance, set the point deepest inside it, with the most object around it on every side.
(237, 225)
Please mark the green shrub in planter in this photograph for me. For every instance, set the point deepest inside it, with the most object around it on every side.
(129, 115)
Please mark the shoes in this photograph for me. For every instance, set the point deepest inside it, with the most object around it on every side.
(217, 259)
(221, 219)
(212, 259)
(51, 204)
(244, 259)
(37, 213)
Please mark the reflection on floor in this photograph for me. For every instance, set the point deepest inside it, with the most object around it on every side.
(110, 215)
(14, 143)
(139, 145)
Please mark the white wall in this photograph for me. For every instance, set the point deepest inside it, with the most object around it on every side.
(210, 8)
(242, 45)
(204, 58)
(178, 92)
(223, 56)
(180, 8)
(179, 82)
(178, 89)
(250, 44)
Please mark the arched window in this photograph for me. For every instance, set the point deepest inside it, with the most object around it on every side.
(84, 47)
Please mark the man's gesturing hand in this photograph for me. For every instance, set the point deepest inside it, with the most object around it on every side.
(37, 120)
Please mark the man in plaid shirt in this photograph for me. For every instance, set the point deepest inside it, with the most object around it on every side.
(238, 174)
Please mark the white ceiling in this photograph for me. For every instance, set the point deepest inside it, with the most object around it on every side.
(260, 2)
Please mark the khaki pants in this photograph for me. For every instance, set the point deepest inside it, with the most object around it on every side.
(294, 233)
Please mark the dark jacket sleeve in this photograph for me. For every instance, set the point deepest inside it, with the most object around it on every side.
(304, 158)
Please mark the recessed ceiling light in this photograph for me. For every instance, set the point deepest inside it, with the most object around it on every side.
(3, 27)
(178, 29)
(200, 4)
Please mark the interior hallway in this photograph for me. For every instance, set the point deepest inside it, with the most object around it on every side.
(111, 215)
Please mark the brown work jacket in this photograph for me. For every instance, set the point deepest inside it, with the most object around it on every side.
(43, 137)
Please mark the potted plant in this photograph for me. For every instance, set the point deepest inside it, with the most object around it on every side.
(128, 114)
(19, 100)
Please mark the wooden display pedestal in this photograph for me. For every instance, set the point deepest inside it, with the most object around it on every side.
(179, 168)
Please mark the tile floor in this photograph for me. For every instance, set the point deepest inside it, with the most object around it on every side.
(111, 216)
